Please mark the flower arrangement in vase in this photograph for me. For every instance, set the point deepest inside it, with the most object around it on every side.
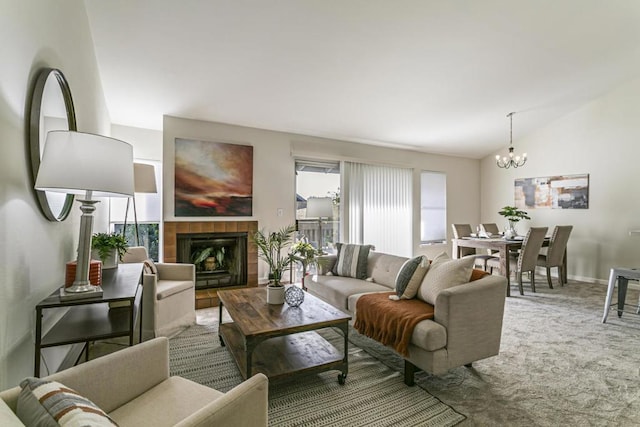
(513, 215)
(304, 253)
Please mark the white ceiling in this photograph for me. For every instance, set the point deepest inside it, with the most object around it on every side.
(432, 75)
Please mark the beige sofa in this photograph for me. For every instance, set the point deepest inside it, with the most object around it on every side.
(467, 325)
(134, 388)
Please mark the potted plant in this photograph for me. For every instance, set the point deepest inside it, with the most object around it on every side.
(270, 249)
(513, 215)
(307, 256)
(108, 248)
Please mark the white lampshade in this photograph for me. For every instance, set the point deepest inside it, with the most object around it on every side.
(144, 176)
(75, 162)
(319, 207)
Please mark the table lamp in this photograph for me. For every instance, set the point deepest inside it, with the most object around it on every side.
(144, 177)
(319, 207)
(89, 165)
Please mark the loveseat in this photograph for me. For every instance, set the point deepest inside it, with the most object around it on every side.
(134, 388)
(467, 322)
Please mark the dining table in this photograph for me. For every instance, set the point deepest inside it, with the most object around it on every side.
(502, 246)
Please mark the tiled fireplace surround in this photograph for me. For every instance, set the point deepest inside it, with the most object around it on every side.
(208, 297)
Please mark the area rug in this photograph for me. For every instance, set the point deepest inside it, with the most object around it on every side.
(374, 394)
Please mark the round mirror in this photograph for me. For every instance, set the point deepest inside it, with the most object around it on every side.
(51, 109)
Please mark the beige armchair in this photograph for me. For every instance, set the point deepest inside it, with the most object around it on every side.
(134, 388)
(168, 296)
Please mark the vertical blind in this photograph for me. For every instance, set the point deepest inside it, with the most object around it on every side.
(380, 207)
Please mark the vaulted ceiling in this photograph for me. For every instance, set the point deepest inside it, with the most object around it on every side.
(431, 75)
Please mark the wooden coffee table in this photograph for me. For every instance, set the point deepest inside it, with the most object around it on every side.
(280, 340)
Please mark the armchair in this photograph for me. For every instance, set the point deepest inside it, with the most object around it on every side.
(134, 388)
(168, 295)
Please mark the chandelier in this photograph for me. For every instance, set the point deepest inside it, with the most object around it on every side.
(515, 161)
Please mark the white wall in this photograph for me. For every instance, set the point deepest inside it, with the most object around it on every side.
(147, 143)
(601, 139)
(274, 177)
(33, 251)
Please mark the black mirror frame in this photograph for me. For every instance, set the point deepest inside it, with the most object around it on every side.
(34, 136)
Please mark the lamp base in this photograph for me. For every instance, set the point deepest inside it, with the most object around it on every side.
(67, 294)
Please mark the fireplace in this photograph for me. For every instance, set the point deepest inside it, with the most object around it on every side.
(208, 297)
(220, 258)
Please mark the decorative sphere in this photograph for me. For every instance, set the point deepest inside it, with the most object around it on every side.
(294, 296)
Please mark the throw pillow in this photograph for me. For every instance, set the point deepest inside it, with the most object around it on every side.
(49, 403)
(410, 277)
(444, 273)
(352, 260)
(150, 266)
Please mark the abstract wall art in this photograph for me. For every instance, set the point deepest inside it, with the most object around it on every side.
(553, 192)
(213, 179)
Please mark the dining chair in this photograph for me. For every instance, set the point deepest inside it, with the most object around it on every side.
(554, 254)
(526, 259)
(464, 230)
(490, 228)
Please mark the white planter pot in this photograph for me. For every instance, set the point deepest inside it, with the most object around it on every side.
(111, 261)
(275, 294)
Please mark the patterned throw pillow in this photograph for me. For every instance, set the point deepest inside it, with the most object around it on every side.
(49, 403)
(410, 277)
(150, 266)
(352, 260)
(444, 273)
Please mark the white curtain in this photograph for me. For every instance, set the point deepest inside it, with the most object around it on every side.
(380, 207)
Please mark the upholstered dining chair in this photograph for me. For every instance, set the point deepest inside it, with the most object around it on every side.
(168, 294)
(464, 230)
(554, 254)
(526, 259)
(491, 227)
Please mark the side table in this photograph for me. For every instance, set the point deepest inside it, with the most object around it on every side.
(92, 319)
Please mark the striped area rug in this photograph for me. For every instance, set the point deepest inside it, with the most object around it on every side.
(374, 395)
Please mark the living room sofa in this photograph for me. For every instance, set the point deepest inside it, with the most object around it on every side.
(466, 327)
(134, 388)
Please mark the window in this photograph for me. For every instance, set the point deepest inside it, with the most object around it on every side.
(433, 207)
(148, 210)
(318, 186)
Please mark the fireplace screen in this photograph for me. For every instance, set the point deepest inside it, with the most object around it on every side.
(220, 258)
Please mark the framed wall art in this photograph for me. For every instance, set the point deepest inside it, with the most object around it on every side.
(213, 179)
(553, 192)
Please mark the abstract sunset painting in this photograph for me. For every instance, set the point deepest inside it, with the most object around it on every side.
(213, 178)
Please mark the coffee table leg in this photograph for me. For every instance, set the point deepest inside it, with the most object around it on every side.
(248, 346)
(220, 323)
(342, 377)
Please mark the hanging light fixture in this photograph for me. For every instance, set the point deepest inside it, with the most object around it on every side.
(515, 161)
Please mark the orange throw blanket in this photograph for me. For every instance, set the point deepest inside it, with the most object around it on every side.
(390, 322)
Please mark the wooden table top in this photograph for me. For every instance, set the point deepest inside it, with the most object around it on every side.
(252, 314)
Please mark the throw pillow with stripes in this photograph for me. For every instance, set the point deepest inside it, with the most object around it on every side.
(352, 260)
(410, 277)
(49, 403)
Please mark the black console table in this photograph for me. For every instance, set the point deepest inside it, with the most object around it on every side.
(93, 319)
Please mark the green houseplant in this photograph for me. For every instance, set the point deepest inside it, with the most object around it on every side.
(270, 249)
(109, 248)
(513, 215)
